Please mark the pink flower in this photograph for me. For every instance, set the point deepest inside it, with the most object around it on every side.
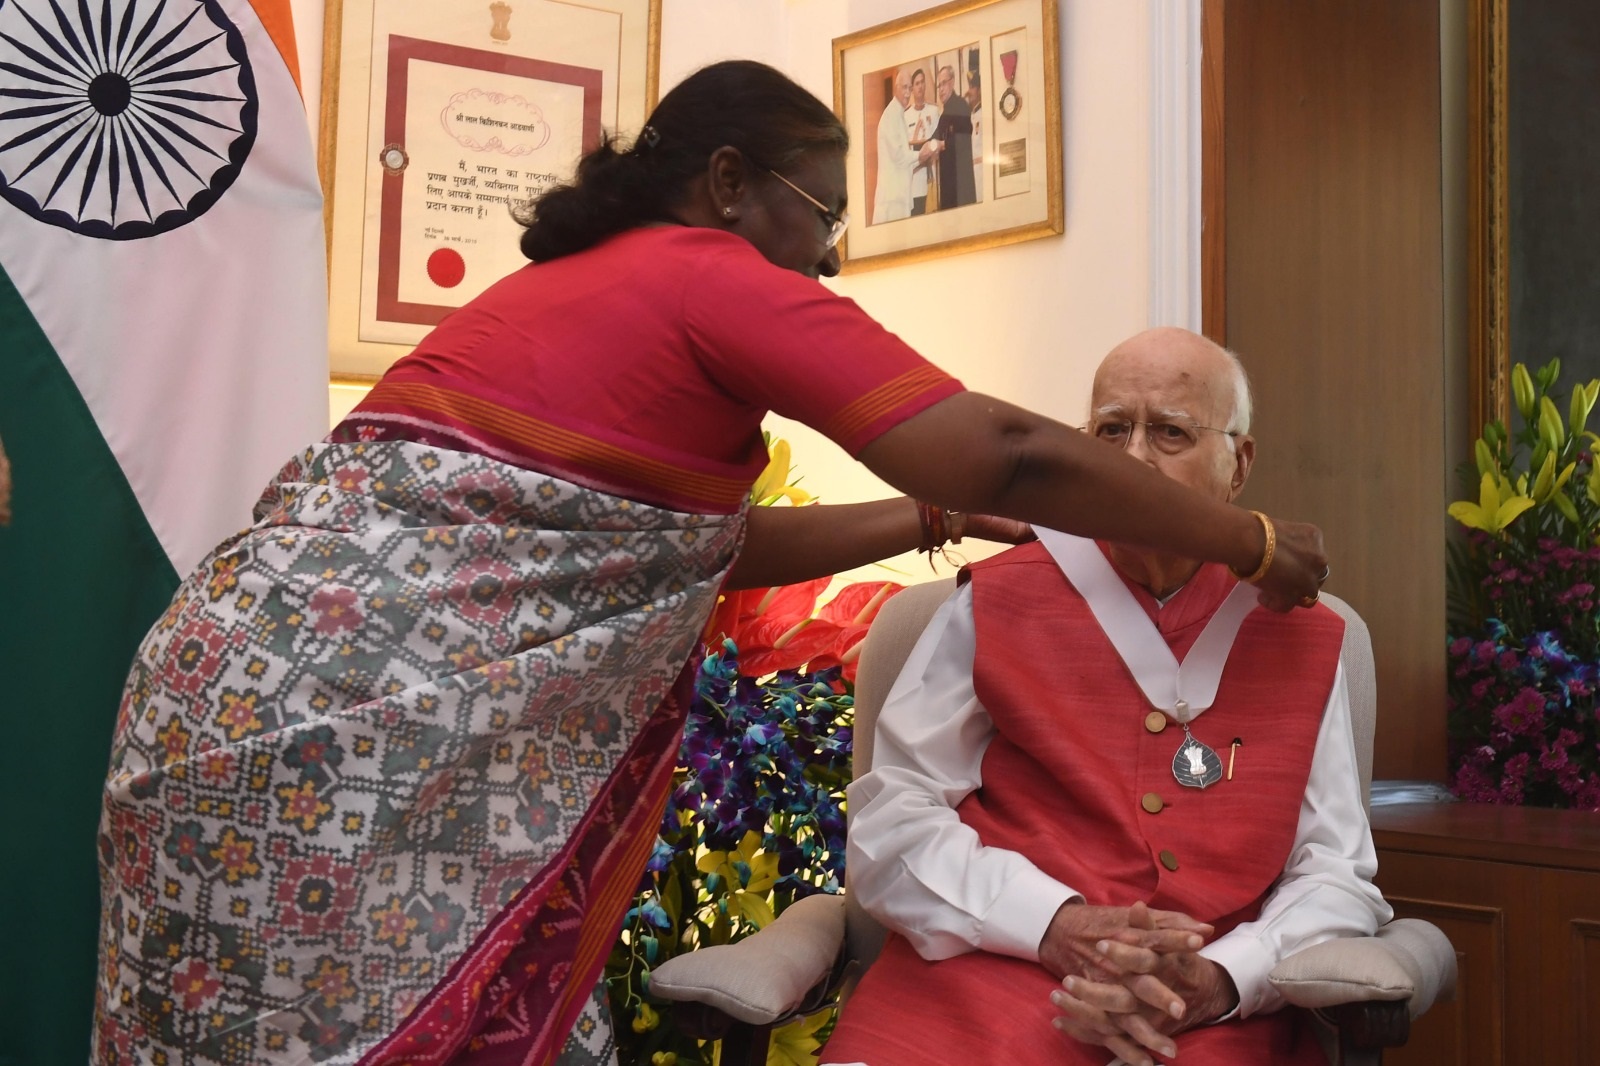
(1523, 715)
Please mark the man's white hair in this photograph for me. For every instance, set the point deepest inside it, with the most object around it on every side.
(1239, 421)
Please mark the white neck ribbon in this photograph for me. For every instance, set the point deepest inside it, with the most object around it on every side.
(1183, 690)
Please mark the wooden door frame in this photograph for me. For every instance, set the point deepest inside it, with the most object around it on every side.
(1213, 177)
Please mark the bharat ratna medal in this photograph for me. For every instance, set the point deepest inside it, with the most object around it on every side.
(1194, 764)
(1010, 100)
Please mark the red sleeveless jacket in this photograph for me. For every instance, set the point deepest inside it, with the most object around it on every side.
(1064, 781)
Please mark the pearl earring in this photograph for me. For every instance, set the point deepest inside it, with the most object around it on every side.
(727, 210)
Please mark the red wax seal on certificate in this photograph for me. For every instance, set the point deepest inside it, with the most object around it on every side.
(393, 158)
(446, 268)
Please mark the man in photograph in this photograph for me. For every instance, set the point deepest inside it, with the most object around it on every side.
(891, 199)
(974, 98)
(921, 120)
(954, 135)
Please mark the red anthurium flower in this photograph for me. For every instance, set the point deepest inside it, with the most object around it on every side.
(852, 612)
(781, 629)
(756, 618)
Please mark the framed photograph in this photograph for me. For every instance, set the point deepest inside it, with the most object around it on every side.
(954, 116)
(437, 121)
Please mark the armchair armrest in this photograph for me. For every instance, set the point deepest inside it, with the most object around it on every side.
(764, 977)
(1409, 960)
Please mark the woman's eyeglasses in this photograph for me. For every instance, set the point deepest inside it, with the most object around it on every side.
(837, 223)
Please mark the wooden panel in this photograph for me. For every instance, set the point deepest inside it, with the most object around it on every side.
(1471, 1028)
(1570, 944)
(1529, 836)
(1334, 301)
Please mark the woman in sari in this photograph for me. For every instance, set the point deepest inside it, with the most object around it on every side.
(387, 771)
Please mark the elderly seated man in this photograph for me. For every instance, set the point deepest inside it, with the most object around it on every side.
(1109, 793)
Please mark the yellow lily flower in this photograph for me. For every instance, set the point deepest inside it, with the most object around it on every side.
(773, 484)
(750, 872)
(1495, 509)
(796, 1044)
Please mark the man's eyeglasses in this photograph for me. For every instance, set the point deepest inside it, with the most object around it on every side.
(1167, 437)
(837, 223)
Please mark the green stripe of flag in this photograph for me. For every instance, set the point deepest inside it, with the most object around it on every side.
(82, 577)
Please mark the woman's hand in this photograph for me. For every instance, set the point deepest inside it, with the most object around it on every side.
(995, 528)
(1299, 567)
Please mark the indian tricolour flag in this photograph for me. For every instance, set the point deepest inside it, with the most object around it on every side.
(162, 352)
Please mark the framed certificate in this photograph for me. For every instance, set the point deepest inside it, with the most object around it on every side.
(437, 122)
(954, 116)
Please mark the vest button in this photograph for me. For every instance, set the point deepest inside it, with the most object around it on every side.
(1169, 860)
(1152, 803)
(1155, 721)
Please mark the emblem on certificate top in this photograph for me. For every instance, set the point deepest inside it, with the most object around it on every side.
(500, 11)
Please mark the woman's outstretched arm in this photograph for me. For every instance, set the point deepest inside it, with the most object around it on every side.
(971, 452)
(784, 545)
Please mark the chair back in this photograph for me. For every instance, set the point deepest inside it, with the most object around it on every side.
(894, 633)
(889, 641)
(1361, 679)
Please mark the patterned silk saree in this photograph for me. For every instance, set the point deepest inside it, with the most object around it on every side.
(386, 772)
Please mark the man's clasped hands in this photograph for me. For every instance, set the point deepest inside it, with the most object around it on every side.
(1131, 977)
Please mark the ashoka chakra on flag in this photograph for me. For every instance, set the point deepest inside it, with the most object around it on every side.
(124, 120)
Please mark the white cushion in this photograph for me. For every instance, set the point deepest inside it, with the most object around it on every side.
(763, 977)
(1408, 960)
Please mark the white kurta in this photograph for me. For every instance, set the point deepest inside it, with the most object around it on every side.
(920, 124)
(891, 199)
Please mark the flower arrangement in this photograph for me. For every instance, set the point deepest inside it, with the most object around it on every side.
(1524, 648)
(755, 820)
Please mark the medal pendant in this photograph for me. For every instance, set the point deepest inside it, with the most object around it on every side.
(1195, 765)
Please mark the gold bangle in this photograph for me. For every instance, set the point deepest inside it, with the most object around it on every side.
(1266, 555)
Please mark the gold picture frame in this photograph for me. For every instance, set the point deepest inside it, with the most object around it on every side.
(435, 124)
(1488, 208)
(983, 72)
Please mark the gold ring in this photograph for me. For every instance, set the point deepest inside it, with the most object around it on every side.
(1308, 601)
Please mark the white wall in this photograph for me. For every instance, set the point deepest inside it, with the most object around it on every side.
(1028, 322)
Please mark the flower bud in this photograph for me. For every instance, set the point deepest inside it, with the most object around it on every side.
(1583, 397)
(1546, 479)
(1522, 391)
(1484, 457)
(1551, 429)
